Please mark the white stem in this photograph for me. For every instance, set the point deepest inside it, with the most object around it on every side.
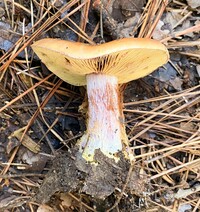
(105, 128)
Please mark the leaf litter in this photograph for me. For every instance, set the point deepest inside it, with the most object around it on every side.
(162, 110)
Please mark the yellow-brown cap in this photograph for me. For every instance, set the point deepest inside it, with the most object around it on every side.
(127, 59)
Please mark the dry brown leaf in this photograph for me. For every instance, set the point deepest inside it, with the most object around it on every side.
(66, 200)
(26, 141)
(12, 143)
(36, 162)
(177, 83)
(45, 208)
(189, 126)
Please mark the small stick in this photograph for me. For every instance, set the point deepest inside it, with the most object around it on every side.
(8, 176)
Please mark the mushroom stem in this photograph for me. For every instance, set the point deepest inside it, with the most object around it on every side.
(105, 126)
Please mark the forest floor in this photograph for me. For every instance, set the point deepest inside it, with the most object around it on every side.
(42, 117)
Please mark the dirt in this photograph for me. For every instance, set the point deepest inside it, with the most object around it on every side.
(71, 173)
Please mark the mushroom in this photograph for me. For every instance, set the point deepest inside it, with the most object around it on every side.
(102, 68)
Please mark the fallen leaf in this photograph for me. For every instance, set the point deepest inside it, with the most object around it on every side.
(172, 18)
(187, 24)
(189, 126)
(193, 3)
(36, 162)
(6, 201)
(45, 208)
(11, 144)
(123, 9)
(160, 33)
(66, 200)
(198, 69)
(26, 141)
(177, 83)
(183, 193)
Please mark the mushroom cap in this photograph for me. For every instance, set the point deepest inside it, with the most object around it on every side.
(127, 59)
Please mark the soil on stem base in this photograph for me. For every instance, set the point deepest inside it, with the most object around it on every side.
(71, 173)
